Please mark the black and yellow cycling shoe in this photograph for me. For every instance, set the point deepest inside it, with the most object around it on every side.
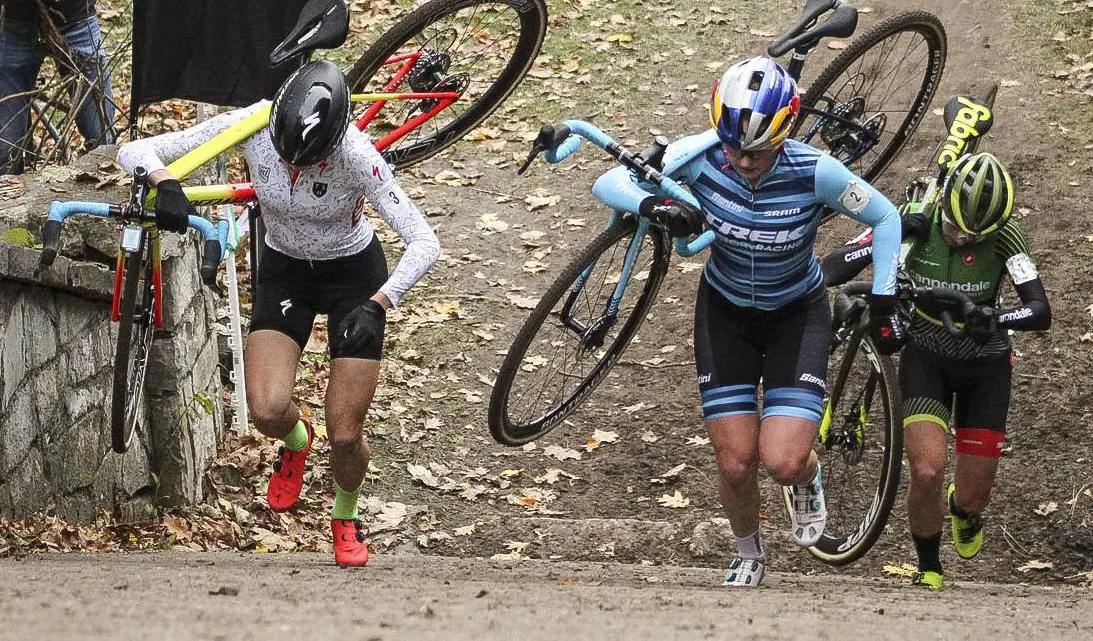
(928, 579)
(967, 529)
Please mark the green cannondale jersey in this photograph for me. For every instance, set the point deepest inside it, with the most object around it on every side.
(977, 270)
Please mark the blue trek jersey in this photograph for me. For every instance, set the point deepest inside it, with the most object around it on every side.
(763, 255)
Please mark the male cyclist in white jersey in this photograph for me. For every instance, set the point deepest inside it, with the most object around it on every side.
(761, 313)
(314, 173)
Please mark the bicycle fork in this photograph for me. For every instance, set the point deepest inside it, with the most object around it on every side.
(849, 436)
(595, 331)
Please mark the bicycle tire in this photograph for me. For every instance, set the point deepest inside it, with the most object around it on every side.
(135, 329)
(929, 28)
(532, 16)
(851, 533)
(503, 427)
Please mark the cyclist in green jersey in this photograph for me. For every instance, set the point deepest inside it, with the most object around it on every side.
(965, 240)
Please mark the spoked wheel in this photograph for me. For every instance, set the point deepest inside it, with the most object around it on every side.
(479, 49)
(865, 105)
(571, 340)
(135, 328)
(861, 451)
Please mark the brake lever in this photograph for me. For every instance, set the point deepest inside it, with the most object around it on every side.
(138, 193)
(550, 137)
(536, 149)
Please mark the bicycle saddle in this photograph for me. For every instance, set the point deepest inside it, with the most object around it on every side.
(323, 24)
(840, 24)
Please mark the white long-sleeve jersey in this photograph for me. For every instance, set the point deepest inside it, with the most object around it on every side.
(316, 212)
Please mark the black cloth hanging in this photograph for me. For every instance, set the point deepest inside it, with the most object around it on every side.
(214, 51)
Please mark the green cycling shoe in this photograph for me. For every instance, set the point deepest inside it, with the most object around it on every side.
(928, 579)
(967, 532)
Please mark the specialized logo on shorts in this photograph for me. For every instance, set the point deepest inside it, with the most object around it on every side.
(969, 258)
(285, 304)
(815, 380)
(318, 189)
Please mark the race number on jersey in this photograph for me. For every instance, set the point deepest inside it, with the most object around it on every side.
(854, 197)
(1021, 269)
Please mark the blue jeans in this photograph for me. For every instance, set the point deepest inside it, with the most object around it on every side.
(21, 56)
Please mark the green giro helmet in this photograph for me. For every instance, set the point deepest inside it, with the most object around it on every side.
(977, 196)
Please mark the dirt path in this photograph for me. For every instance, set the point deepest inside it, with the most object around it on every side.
(246, 596)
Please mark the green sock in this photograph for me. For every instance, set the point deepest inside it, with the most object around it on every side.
(345, 503)
(296, 439)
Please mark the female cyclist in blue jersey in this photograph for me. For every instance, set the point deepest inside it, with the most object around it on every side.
(762, 314)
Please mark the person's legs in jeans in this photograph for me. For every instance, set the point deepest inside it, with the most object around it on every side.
(20, 60)
(94, 100)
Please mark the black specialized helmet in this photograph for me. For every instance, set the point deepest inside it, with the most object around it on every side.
(310, 113)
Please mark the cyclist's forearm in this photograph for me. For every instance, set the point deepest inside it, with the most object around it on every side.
(157, 152)
(1034, 312)
(422, 246)
(845, 263)
(414, 263)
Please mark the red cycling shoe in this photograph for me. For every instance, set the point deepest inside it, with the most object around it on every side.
(349, 547)
(288, 475)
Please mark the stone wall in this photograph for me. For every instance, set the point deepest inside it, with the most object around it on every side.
(56, 358)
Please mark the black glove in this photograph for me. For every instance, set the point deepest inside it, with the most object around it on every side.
(915, 226)
(980, 322)
(363, 326)
(172, 208)
(886, 327)
(680, 217)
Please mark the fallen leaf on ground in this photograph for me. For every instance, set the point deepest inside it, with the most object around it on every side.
(561, 453)
(1036, 565)
(676, 500)
(905, 569)
(1046, 508)
(422, 474)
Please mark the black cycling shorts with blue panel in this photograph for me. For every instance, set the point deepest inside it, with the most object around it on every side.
(292, 291)
(786, 348)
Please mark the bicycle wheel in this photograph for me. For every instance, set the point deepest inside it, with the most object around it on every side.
(570, 342)
(884, 81)
(479, 48)
(860, 449)
(135, 328)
